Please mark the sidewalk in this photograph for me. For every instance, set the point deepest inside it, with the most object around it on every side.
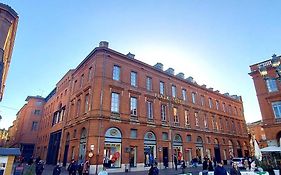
(169, 171)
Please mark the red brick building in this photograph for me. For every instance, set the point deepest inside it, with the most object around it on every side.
(269, 98)
(257, 133)
(8, 27)
(23, 133)
(123, 111)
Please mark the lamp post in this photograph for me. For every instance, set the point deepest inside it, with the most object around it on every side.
(275, 64)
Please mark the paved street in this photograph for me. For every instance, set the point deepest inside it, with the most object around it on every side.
(169, 171)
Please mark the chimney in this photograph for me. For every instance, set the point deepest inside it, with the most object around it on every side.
(217, 91)
(190, 79)
(170, 71)
(180, 75)
(130, 55)
(103, 44)
(226, 94)
(158, 66)
(211, 89)
(204, 86)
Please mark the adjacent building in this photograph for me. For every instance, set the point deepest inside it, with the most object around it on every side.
(8, 27)
(257, 133)
(115, 109)
(23, 133)
(269, 98)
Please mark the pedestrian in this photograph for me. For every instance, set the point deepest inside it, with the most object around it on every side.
(183, 166)
(166, 161)
(210, 165)
(80, 168)
(30, 168)
(205, 166)
(103, 171)
(39, 167)
(72, 167)
(57, 170)
(86, 168)
(220, 170)
(176, 162)
(153, 170)
(235, 170)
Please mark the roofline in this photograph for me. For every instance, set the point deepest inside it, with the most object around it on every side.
(9, 9)
(36, 97)
(97, 49)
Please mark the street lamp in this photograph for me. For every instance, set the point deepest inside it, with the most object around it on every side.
(275, 64)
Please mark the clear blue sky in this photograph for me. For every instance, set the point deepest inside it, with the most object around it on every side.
(213, 41)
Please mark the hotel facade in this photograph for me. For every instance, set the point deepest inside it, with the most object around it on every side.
(115, 108)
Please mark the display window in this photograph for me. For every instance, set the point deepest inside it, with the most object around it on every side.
(133, 156)
(149, 154)
(112, 155)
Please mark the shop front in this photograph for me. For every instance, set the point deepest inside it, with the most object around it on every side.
(199, 149)
(149, 148)
(177, 147)
(112, 148)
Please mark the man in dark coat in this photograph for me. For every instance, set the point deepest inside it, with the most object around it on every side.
(220, 170)
(57, 170)
(176, 162)
(72, 168)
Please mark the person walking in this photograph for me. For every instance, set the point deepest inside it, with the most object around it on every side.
(210, 166)
(205, 166)
(220, 170)
(57, 170)
(30, 169)
(72, 168)
(183, 166)
(176, 162)
(39, 167)
(86, 168)
(103, 171)
(234, 170)
(166, 161)
(153, 170)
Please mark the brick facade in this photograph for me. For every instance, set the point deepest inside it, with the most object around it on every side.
(129, 120)
(266, 98)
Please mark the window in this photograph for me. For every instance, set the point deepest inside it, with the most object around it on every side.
(210, 103)
(162, 88)
(235, 110)
(186, 118)
(188, 138)
(233, 127)
(276, 106)
(148, 83)
(214, 123)
(217, 104)
(221, 124)
(74, 85)
(90, 72)
(202, 100)
(37, 112)
(116, 73)
(193, 97)
(114, 102)
(271, 85)
(196, 119)
(174, 91)
(205, 121)
(86, 103)
(165, 136)
(184, 94)
(81, 80)
(78, 107)
(149, 110)
(229, 109)
(39, 103)
(133, 79)
(133, 133)
(163, 112)
(226, 124)
(208, 140)
(176, 117)
(74, 133)
(133, 107)
(223, 107)
(34, 126)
